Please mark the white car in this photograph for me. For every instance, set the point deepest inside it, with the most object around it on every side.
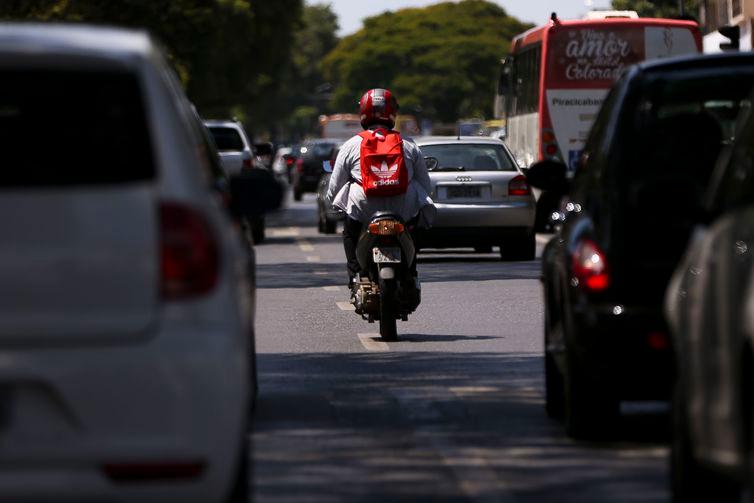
(126, 312)
(233, 144)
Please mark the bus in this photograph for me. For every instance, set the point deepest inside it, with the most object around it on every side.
(552, 84)
(339, 126)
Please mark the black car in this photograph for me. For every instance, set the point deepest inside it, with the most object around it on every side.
(628, 214)
(309, 169)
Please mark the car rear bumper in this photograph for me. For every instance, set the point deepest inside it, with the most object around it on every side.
(180, 397)
(450, 237)
(629, 351)
(512, 214)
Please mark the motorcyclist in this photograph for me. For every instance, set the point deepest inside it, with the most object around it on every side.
(378, 110)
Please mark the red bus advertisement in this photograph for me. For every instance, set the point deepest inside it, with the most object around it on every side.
(557, 76)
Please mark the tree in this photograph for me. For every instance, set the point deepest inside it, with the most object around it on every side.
(304, 91)
(225, 51)
(442, 60)
(659, 8)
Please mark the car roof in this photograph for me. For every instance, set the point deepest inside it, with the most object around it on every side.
(699, 62)
(32, 39)
(442, 140)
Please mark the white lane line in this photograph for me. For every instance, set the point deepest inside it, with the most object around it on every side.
(345, 306)
(321, 273)
(305, 246)
(285, 232)
(331, 288)
(313, 258)
(370, 342)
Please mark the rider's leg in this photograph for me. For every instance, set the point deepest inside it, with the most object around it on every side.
(351, 232)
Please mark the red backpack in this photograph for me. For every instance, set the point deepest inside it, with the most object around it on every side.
(383, 169)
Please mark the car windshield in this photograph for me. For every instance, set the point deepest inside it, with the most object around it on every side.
(470, 157)
(81, 119)
(227, 138)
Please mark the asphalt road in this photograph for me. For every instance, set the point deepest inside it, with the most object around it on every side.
(452, 411)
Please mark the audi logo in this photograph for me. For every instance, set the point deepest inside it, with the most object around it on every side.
(463, 178)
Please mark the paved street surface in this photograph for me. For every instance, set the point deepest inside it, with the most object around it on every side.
(452, 411)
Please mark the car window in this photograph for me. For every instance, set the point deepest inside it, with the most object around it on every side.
(736, 185)
(471, 157)
(64, 127)
(227, 138)
(318, 149)
(681, 123)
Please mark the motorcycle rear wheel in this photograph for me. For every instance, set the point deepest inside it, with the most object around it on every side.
(388, 311)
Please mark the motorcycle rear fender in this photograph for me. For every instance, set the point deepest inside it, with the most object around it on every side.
(368, 241)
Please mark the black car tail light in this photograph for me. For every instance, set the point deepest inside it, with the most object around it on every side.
(589, 267)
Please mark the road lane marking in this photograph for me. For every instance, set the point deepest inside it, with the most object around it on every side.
(345, 306)
(285, 232)
(331, 288)
(305, 246)
(371, 344)
(321, 273)
(313, 258)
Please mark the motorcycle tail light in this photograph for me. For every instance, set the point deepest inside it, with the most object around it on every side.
(589, 267)
(386, 228)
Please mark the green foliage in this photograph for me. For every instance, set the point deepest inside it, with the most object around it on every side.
(441, 61)
(227, 52)
(658, 8)
(304, 93)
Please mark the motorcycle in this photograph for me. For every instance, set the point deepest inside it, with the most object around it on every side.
(389, 290)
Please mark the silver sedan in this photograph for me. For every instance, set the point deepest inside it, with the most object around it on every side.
(482, 198)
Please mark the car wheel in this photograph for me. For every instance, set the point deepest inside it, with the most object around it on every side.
(240, 491)
(524, 248)
(590, 409)
(692, 482)
(257, 231)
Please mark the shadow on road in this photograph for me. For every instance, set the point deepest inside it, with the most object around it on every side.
(316, 274)
(435, 427)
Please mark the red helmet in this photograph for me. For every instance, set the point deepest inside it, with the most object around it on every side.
(378, 106)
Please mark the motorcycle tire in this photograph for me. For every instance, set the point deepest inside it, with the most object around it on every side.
(388, 310)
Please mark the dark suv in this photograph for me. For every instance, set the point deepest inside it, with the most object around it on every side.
(309, 165)
(628, 214)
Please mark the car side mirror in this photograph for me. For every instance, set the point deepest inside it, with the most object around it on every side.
(548, 175)
(254, 192)
(432, 163)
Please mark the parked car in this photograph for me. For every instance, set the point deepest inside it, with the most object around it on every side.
(709, 306)
(126, 313)
(327, 216)
(309, 165)
(234, 146)
(285, 161)
(629, 212)
(482, 198)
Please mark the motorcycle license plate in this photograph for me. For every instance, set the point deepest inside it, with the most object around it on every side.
(386, 255)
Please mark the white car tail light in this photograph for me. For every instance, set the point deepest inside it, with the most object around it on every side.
(189, 256)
